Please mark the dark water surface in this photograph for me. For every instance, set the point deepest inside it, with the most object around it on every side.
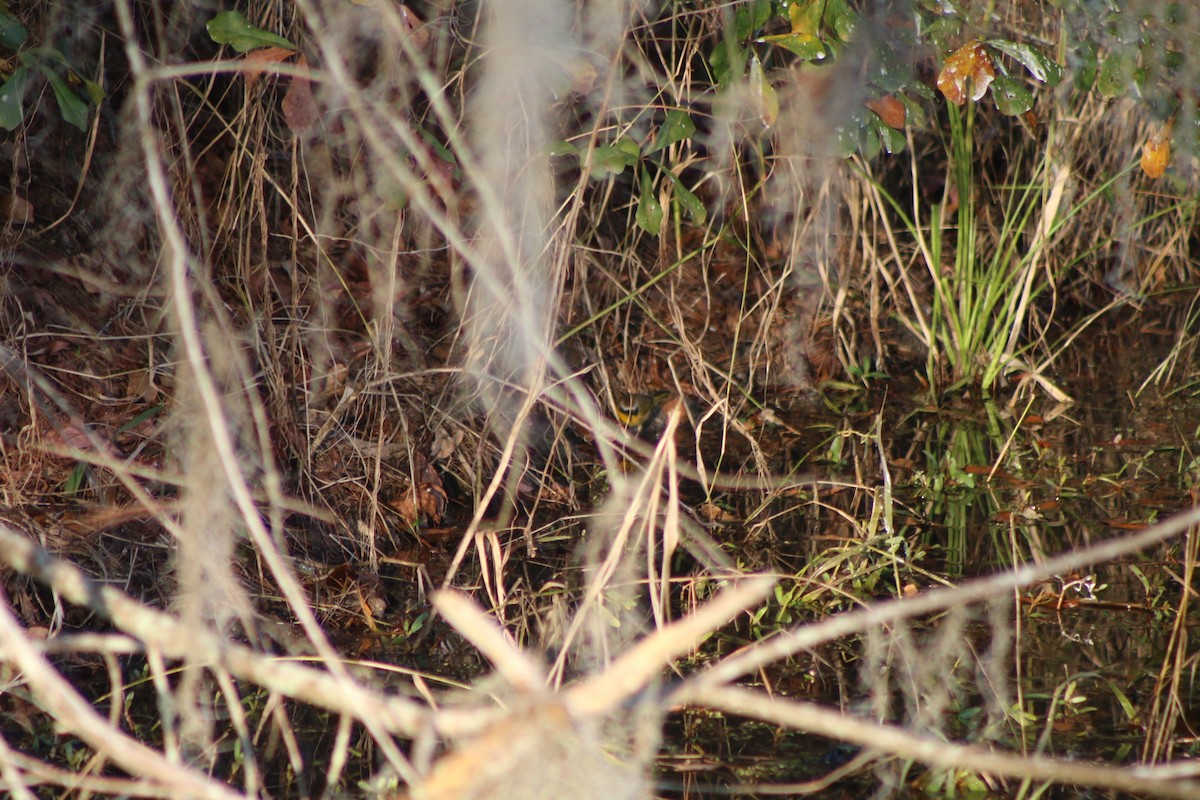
(1089, 666)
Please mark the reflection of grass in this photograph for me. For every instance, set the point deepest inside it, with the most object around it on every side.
(959, 453)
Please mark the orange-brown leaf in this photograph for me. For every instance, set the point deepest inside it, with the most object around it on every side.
(968, 66)
(416, 28)
(1156, 152)
(890, 110)
(258, 61)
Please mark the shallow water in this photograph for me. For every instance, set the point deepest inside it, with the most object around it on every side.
(1078, 667)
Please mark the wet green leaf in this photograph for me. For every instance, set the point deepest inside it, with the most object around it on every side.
(1011, 97)
(1040, 66)
(890, 71)
(1116, 73)
(12, 32)
(845, 139)
(942, 33)
(807, 47)
(675, 128)
(233, 29)
(695, 209)
(916, 112)
(869, 144)
(840, 18)
(893, 141)
(649, 215)
(11, 95)
(921, 90)
(688, 201)
(750, 17)
(944, 7)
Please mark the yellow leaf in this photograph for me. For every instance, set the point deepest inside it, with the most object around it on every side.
(968, 65)
(806, 16)
(1156, 152)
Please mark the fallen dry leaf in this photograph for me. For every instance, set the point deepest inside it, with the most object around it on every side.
(258, 61)
(74, 437)
(415, 27)
(427, 501)
(299, 105)
(15, 210)
(141, 385)
(445, 445)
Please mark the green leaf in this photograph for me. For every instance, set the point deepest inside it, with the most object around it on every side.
(73, 110)
(869, 144)
(916, 112)
(11, 95)
(75, 480)
(1011, 97)
(630, 148)
(890, 71)
(845, 139)
(675, 128)
(1116, 73)
(1172, 60)
(688, 201)
(1040, 66)
(944, 7)
(443, 152)
(34, 55)
(609, 159)
(841, 18)
(728, 61)
(764, 93)
(943, 33)
(893, 140)
(807, 47)
(750, 17)
(233, 29)
(695, 209)
(921, 90)
(649, 214)
(561, 147)
(1087, 65)
(12, 32)
(95, 91)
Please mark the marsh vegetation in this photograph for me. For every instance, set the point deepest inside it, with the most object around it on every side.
(477, 399)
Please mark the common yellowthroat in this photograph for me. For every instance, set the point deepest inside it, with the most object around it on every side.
(636, 410)
(645, 415)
